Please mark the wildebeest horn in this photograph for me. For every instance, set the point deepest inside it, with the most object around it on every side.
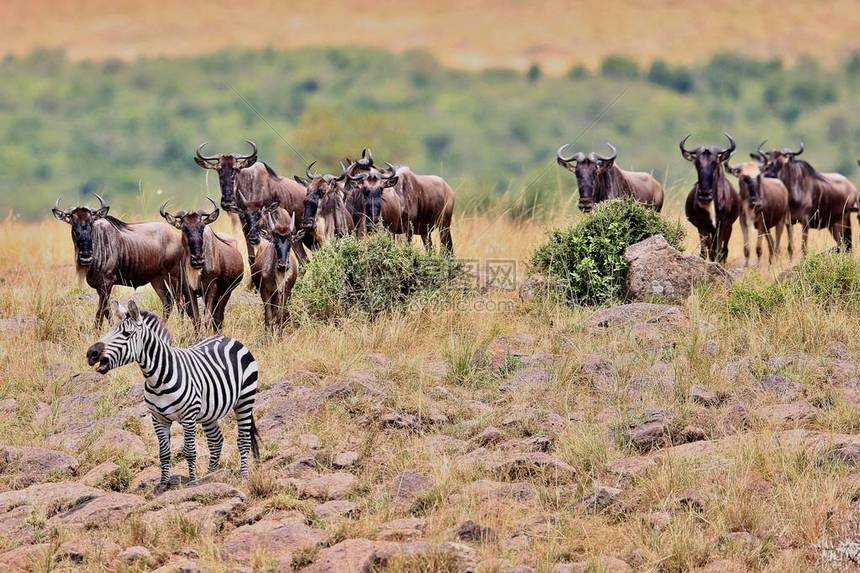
(161, 210)
(759, 152)
(759, 149)
(732, 144)
(392, 169)
(795, 153)
(242, 197)
(684, 150)
(203, 157)
(57, 203)
(366, 158)
(253, 151)
(101, 201)
(214, 207)
(561, 158)
(308, 170)
(608, 159)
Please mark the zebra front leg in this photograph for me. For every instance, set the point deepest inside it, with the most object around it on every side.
(214, 441)
(189, 448)
(162, 432)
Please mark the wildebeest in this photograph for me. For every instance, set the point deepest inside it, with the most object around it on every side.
(256, 181)
(816, 200)
(600, 179)
(424, 202)
(764, 203)
(211, 264)
(276, 267)
(111, 252)
(712, 205)
(325, 215)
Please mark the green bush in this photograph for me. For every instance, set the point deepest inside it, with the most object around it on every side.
(585, 265)
(619, 67)
(828, 279)
(371, 276)
(754, 297)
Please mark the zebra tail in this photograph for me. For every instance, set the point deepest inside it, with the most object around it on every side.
(255, 444)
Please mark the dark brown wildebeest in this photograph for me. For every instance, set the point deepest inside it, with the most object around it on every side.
(256, 181)
(111, 252)
(211, 264)
(325, 214)
(816, 200)
(275, 270)
(764, 203)
(415, 203)
(600, 179)
(712, 205)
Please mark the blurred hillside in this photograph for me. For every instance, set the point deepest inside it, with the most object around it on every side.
(129, 129)
(474, 35)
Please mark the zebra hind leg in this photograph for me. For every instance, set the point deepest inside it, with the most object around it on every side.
(189, 448)
(247, 439)
(162, 431)
(214, 441)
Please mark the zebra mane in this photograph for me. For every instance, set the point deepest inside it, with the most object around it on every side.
(155, 324)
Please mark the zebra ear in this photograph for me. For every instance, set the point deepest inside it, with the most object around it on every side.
(117, 309)
(133, 311)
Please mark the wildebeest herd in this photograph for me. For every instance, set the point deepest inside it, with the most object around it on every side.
(777, 190)
(283, 219)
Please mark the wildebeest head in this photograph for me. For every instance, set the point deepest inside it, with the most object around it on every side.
(371, 185)
(749, 177)
(772, 162)
(192, 224)
(228, 166)
(250, 213)
(587, 169)
(708, 162)
(82, 220)
(320, 201)
(280, 230)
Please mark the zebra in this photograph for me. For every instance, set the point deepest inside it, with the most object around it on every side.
(195, 385)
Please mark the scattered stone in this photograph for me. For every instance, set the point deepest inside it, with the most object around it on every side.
(848, 454)
(328, 486)
(400, 421)
(407, 487)
(281, 539)
(32, 465)
(724, 566)
(100, 474)
(631, 467)
(8, 405)
(658, 519)
(71, 552)
(600, 498)
(17, 323)
(335, 508)
(348, 555)
(711, 347)
(379, 360)
(836, 349)
(105, 509)
(345, 459)
(529, 377)
(533, 288)
(121, 441)
(310, 441)
(22, 558)
(638, 316)
(136, 554)
(691, 499)
(473, 532)
(783, 387)
(405, 529)
(691, 433)
(485, 491)
(705, 397)
(788, 414)
(530, 464)
(519, 569)
(652, 432)
(657, 269)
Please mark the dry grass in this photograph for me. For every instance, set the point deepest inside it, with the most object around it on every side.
(777, 493)
(475, 35)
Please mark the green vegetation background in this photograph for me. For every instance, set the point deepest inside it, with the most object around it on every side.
(129, 129)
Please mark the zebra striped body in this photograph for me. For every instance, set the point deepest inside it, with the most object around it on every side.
(195, 385)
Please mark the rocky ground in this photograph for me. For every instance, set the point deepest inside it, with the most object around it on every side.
(644, 437)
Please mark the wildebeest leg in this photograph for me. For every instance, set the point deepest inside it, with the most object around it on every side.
(758, 247)
(724, 234)
(427, 239)
(445, 238)
(163, 292)
(746, 233)
(804, 237)
(704, 243)
(211, 299)
(788, 230)
(194, 308)
(104, 294)
(777, 231)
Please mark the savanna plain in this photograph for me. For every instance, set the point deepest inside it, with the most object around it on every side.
(446, 439)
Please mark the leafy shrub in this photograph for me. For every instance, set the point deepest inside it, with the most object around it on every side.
(828, 279)
(754, 297)
(679, 79)
(370, 276)
(619, 67)
(585, 264)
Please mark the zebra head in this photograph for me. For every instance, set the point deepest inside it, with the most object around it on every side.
(123, 343)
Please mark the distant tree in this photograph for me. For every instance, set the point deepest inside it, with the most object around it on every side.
(679, 79)
(852, 65)
(577, 72)
(534, 73)
(619, 67)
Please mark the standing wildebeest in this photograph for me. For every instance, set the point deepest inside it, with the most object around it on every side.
(256, 181)
(325, 214)
(212, 265)
(713, 205)
(816, 200)
(275, 270)
(600, 179)
(415, 204)
(764, 202)
(112, 252)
